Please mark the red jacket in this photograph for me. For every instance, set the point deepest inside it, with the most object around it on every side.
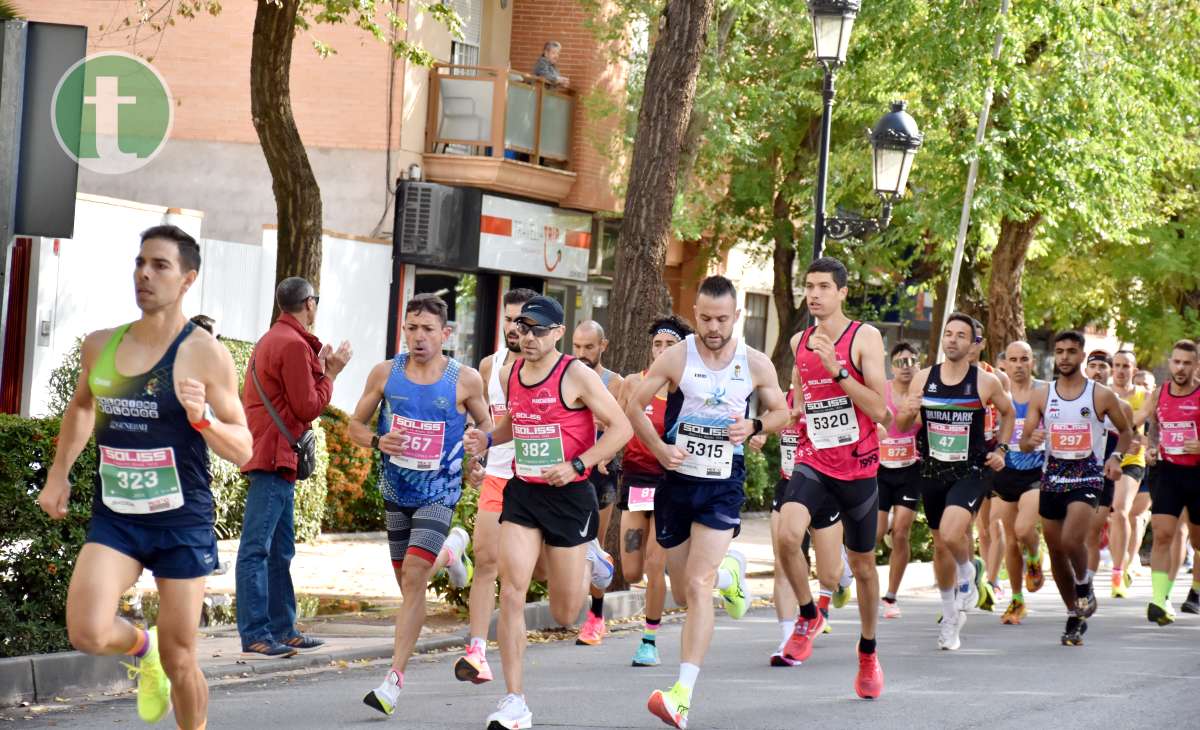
(294, 381)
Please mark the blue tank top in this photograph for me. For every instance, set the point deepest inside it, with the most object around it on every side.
(1015, 458)
(153, 466)
(430, 469)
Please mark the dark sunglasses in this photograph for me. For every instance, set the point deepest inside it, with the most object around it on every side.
(536, 330)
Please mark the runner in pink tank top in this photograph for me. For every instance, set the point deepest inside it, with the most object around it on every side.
(899, 475)
(839, 380)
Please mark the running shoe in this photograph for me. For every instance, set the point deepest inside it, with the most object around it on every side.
(1087, 606)
(1073, 634)
(1120, 590)
(998, 591)
(736, 596)
(1192, 604)
(592, 632)
(1014, 613)
(602, 565)
(1128, 578)
(459, 570)
(948, 634)
(153, 686)
(1035, 577)
(646, 656)
(511, 714)
(828, 626)
(1158, 615)
(869, 682)
(981, 584)
(965, 601)
(779, 659)
(671, 706)
(386, 696)
(841, 596)
(890, 609)
(473, 667)
(800, 644)
(987, 598)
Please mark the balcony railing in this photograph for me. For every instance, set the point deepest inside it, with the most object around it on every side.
(494, 112)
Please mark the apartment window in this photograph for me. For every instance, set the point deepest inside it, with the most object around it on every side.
(755, 331)
(465, 52)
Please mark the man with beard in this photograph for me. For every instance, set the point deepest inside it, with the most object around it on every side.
(550, 510)
(1173, 435)
(1073, 410)
(588, 345)
(473, 666)
(697, 508)
(1017, 487)
(951, 399)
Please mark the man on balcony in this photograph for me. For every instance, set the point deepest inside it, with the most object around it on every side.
(547, 65)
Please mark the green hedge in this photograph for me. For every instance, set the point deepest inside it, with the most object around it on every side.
(37, 554)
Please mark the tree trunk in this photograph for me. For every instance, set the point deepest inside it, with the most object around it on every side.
(297, 196)
(639, 293)
(1006, 308)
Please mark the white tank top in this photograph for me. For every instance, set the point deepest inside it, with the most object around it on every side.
(712, 401)
(1073, 431)
(500, 457)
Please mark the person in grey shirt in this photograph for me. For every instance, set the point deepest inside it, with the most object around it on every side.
(547, 65)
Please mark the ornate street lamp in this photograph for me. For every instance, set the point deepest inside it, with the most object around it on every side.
(895, 138)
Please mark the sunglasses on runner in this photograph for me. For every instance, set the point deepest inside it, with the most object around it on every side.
(535, 329)
(904, 362)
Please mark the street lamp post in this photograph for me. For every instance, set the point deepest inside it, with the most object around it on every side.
(895, 138)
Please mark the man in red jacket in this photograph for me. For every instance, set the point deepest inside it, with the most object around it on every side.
(296, 374)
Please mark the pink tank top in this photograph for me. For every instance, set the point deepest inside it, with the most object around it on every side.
(545, 431)
(899, 449)
(838, 440)
(1178, 417)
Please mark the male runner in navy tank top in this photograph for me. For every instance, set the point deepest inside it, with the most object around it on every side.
(588, 345)
(553, 406)
(710, 377)
(951, 400)
(840, 390)
(423, 399)
(152, 506)
(1072, 409)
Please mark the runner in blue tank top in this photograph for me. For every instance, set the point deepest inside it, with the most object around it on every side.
(152, 506)
(423, 399)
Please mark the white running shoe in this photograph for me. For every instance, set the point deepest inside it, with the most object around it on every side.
(968, 600)
(511, 714)
(386, 696)
(457, 569)
(602, 565)
(949, 634)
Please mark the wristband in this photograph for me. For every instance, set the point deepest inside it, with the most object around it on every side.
(375, 441)
(758, 426)
(200, 425)
(489, 440)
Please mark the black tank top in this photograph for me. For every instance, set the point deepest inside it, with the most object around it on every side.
(951, 438)
(153, 466)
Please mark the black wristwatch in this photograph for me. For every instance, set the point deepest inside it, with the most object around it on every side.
(375, 441)
(1003, 447)
(578, 465)
(758, 427)
(841, 375)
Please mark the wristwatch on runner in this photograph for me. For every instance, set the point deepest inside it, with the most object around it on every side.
(1118, 455)
(841, 375)
(578, 465)
(375, 441)
(1003, 447)
(758, 427)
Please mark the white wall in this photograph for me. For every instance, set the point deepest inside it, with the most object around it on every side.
(754, 275)
(232, 287)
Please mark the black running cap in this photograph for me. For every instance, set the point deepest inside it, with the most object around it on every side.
(542, 310)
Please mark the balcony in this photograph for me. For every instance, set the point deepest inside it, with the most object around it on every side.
(500, 130)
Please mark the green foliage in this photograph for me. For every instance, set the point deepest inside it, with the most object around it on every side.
(760, 486)
(352, 504)
(37, 554)
(63, 380)
(920, 542)
(9, 11)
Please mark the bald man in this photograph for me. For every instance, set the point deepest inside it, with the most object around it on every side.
(589, 345)
(1017, 487)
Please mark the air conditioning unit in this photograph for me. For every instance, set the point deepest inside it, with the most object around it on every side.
(437, 225)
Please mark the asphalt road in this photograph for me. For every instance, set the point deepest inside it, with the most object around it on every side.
(1129, 674)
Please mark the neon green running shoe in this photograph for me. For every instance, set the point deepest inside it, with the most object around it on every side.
(671, 706)
(841, 596)
(154, 689)
(736, 597)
